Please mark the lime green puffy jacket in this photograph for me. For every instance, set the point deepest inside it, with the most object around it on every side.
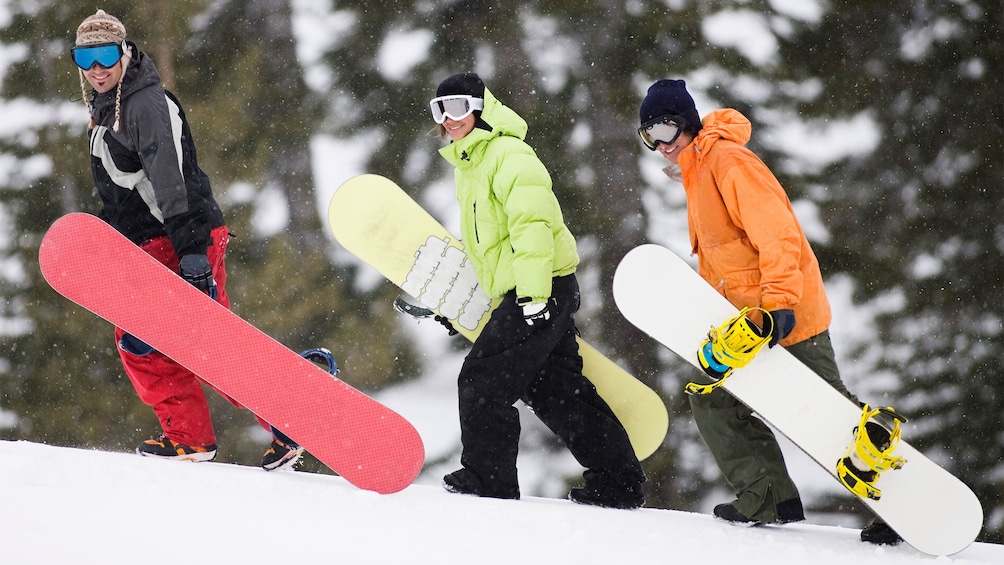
(510, 220)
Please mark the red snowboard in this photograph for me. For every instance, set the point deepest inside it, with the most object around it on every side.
(368, 444)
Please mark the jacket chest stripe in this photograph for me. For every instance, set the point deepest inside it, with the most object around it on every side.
(129, 180)
(175, 113)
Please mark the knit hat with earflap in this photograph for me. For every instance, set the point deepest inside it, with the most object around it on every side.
(96, 30)
(668, 97)
(100, 28)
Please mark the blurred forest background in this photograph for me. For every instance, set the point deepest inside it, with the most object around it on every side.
(916, 221)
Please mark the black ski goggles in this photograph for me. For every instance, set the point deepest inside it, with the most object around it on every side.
(664, 129)
(455, 107)
(104, 54)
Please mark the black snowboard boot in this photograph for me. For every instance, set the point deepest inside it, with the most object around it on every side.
(790, 511)
(602, 490)
(879, 533)
(787, 512)
(465, 481)
(281, 456)
(166, 448)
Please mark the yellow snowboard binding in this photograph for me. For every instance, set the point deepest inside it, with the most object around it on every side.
(730, 346)
(871, 452)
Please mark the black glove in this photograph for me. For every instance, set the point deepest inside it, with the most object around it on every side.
(196, 270)
(446, 324)
(779, 325)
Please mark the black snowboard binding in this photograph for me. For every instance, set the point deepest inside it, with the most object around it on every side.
(416, 311)
(322, 356)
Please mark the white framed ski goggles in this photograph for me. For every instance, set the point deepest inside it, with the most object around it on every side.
(104, 54)
(664, 129)
(455, 107)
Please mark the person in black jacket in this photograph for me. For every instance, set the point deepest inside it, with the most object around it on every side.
(144, 166)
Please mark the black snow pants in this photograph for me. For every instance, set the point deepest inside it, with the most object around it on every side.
(541, 366)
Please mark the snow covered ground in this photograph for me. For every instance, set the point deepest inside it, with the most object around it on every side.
(63, 505)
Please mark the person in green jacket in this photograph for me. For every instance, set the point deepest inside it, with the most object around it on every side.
(523, 253)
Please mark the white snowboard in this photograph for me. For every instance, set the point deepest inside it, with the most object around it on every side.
(662, 295)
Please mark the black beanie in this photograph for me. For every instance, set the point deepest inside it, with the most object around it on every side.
(669, 97)
(469, 84)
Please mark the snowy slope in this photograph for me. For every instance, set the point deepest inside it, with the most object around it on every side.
(63, 505)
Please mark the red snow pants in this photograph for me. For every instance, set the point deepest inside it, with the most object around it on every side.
(174, 392)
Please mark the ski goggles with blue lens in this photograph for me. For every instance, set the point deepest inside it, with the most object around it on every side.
(105, 54)
(455, 107)
(664, 129)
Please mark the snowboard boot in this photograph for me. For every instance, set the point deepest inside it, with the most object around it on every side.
(879, 533)
(729, 513)
(166, 448)
(602, 490)
(787, 512)
(281, 455)
(465, 481)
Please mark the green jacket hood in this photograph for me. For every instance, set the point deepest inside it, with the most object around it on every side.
(503, 121)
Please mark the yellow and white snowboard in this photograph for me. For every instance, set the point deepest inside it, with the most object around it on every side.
(378, 222)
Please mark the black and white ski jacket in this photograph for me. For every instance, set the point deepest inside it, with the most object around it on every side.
(147, 174)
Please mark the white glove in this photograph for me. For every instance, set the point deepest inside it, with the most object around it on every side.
(535, 312)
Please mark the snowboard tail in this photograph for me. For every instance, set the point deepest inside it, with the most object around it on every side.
(932, 510)
(368, 444)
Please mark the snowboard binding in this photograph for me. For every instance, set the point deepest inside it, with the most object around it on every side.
(322, 356)
(871, 452)
(418, 312)
(730, 346)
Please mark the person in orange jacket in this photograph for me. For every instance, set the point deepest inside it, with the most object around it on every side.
(749, 246)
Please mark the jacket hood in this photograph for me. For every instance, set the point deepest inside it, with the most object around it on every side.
(140, 74)
(502, 121)
(725, 124)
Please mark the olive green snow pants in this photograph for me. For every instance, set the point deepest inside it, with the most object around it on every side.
(745, 448)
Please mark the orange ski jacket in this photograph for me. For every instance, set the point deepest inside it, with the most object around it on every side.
(748, 242)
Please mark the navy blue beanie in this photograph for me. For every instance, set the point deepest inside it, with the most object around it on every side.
(668, 97)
